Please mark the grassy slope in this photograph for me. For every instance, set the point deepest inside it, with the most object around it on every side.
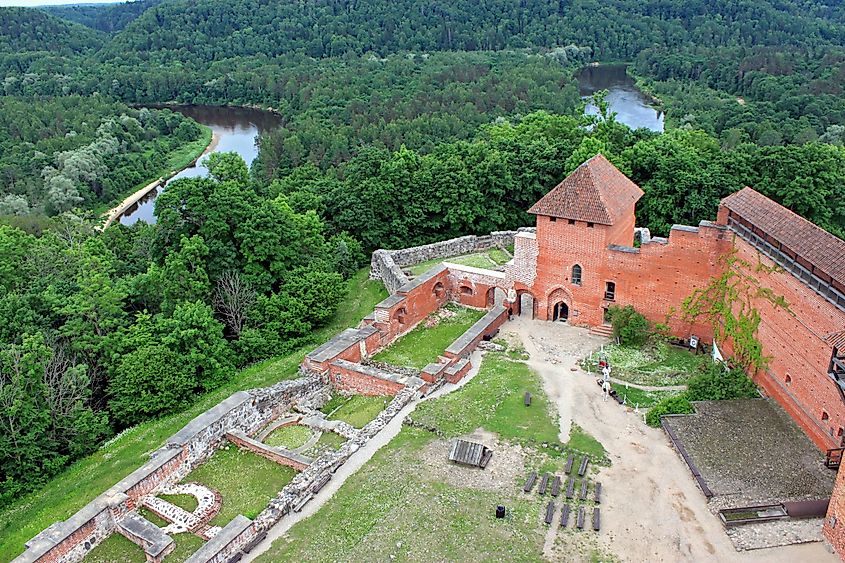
(423, 344)
(651, 365)
(87, 478)
(430, 520)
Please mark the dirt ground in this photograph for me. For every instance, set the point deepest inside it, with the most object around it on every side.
(651, 508)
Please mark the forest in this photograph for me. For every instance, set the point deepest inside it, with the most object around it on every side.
(438, 120)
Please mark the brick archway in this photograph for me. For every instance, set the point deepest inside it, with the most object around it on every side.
(559, 305)
(525, 304)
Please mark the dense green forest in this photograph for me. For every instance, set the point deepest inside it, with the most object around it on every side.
(62, 153)
(402, 123)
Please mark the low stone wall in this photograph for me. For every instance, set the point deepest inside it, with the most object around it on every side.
(368, 380)
(387, 265)
(226, 543)
(277, 455)
(245, 411)
(486, 326)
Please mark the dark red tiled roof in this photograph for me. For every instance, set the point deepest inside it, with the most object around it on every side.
(823, 250)
(837, 340)
(596, 192)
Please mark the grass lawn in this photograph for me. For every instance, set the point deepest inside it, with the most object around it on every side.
(488, 260)
(186, 545)
(289, 437)
(389, 511)
(246, 482)
(386, 512)
(660, 364)
(494, 400)
(422, 345)
(153, 517)
(84, 480)
(116, 549)
(639, 398)
(187, 503)
(358, 410)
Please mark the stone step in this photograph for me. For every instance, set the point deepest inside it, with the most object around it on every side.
(602, 330)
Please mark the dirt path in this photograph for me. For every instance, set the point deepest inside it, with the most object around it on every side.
(355, 462)
(651, 508)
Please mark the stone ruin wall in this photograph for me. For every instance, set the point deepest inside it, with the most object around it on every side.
(387, 265)
(245, 411)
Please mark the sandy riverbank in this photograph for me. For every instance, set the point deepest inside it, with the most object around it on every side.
(114, 214)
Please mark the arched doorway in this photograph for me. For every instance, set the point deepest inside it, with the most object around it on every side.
(560, 312)
(495, 296)
(526, 305)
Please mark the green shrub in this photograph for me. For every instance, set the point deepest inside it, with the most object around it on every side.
(716, 384)
(629, 326)
(677, 404)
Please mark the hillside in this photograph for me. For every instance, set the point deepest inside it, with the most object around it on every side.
(23, 30)
(203, 31)
(108, 18)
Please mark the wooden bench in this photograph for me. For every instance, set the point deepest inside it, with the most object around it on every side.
(583, 468)
(581, 515)
(529, 484)
(556, 486)
(320, 483)
(302, 502)
(550, 513)
(235, 558)
(251, 545)
(564, 516)
(544, 482)
(527, 399)
(596, 519)
(485, 459)
(583, 494)
(570, 487)
(597, 496)
(569, 461)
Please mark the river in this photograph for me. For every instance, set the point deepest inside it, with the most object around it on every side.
(234, 128)
(630, 104)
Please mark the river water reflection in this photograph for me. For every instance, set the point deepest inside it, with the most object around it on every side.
(236, 130)
(630, 104)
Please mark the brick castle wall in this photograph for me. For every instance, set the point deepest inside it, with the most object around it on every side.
(834, 524)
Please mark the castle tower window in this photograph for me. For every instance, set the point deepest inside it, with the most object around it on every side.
(825, 416)
(591, 225)
(610, 290)
(572, 221)
(576, 274)
(552, 219)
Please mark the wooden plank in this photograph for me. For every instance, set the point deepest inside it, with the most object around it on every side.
(596, 519)
(583, 468)
(581, 515)
(556, 486)
(569, 461)
(320, 483)
(570, 487)
(529, 484)
(597, 496)
(550, 513)
(564, 516)
(485, 458)
(544, 482)
(583, 494)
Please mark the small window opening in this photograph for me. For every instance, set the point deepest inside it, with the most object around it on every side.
(466, 290)
(825, 416)
(576, 274)
(572, 221)
(610, 290)
(590, 225)
(553, 219)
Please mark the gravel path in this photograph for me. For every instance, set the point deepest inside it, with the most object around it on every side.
(652, 509)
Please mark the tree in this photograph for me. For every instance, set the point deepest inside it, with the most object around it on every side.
(233, 300)
(149, 382)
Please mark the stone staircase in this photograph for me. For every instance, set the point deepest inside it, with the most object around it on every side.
(602, 330)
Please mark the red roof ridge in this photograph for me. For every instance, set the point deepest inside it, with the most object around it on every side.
(596, 192)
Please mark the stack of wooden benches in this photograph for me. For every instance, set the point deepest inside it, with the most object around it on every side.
(552, 483)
